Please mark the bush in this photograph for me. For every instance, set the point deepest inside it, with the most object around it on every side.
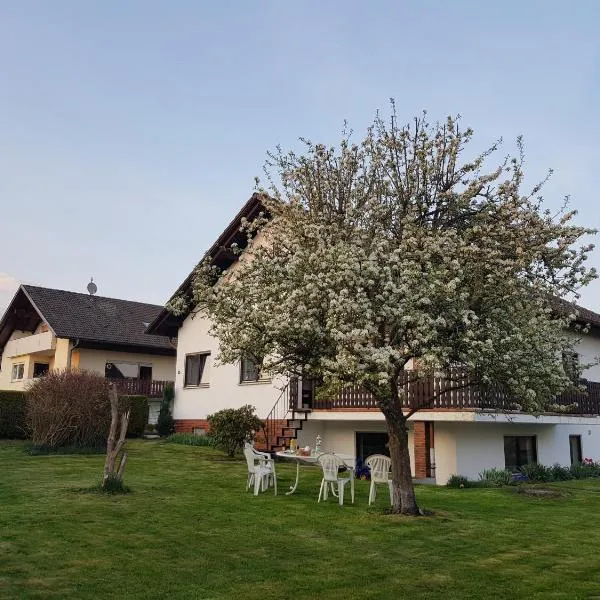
(68, 408)
(560, 473)
(231, 427)
(165, 424)
(189, 439)
(536, 472)
(496, 477)
(12, 415)
(458, 481)
(138, 417)
(588, 468)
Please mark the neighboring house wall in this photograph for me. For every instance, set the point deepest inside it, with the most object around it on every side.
(163, 367)
(27, 360)
(220, 386)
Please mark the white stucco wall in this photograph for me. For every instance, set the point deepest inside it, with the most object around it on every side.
(469, 448)
(163, 367)
(444, 452)
(220, 387)
(588, 349)
(340, 436)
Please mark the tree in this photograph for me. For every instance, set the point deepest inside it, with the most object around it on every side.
(112, 476)
(396, 253)
(165, 424)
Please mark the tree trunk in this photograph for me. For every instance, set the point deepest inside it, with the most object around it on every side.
(114, 444)
(404, 500)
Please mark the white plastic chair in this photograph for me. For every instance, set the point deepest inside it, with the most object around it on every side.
(380, 466)
(261, 470)
(330, 463)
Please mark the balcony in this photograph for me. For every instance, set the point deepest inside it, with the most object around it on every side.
(31, 344)
(418, 392)
(151, 388)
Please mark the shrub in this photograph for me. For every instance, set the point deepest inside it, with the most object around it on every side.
(560, 473)
(496, 477)
(458, 481)
(12, 415)
(588, 468)
(165, 424)
(189, 439)
(231, 427)
(536, 472)
(138, 417)
(68, 408)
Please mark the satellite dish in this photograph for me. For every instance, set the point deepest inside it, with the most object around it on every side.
(92, 288)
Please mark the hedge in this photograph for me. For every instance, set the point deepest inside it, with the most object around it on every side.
(138, 418)
(12, 415)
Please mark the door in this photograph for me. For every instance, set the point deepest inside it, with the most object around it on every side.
(575, 449)
(146, 372)
(368, 443)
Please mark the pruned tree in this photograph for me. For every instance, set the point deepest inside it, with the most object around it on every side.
(396, 253)
(112, 476)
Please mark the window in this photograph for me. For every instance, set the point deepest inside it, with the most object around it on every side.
(18, 371)
(40, 369)
(571, 367)
(127, 370)
(249, 370)
(575, 449)
(371, 443)
(519, 450)
(194, 368)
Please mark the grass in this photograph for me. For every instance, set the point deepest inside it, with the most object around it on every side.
(188, 530)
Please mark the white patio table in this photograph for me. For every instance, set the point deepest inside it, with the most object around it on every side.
(311, 460)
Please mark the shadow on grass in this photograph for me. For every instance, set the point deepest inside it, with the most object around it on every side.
(50, 451)
(100, 491)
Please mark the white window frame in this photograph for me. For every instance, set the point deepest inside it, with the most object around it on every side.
(15, 369)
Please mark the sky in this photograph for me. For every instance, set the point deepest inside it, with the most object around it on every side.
(131, 130)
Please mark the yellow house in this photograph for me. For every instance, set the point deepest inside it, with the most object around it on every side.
(46, 329)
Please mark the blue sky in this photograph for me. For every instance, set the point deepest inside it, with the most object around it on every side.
(131, 131)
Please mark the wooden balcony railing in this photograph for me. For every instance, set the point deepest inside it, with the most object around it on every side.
(151, 388)
(418, 394)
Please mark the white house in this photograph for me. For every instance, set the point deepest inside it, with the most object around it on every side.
(460, 435)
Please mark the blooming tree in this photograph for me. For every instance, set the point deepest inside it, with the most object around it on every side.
(399, 253)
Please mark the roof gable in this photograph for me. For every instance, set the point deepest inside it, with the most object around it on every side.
(168, 324)
(92, 319)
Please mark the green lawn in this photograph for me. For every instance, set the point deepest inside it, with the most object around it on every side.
(188, 530)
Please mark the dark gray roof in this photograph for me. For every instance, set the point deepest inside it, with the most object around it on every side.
(97, 319)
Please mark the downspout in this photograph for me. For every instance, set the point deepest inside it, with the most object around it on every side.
(75, 345)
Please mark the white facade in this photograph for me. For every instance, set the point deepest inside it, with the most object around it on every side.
(220, 386)
(465, 442)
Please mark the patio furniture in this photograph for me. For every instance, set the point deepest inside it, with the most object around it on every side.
(379, 466)
(310, 459)
(261, 470)
(331, 463)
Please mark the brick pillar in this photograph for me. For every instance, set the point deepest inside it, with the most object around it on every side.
(421, 450)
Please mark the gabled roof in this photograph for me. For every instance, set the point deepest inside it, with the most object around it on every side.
(168, 324)
(95, 321)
